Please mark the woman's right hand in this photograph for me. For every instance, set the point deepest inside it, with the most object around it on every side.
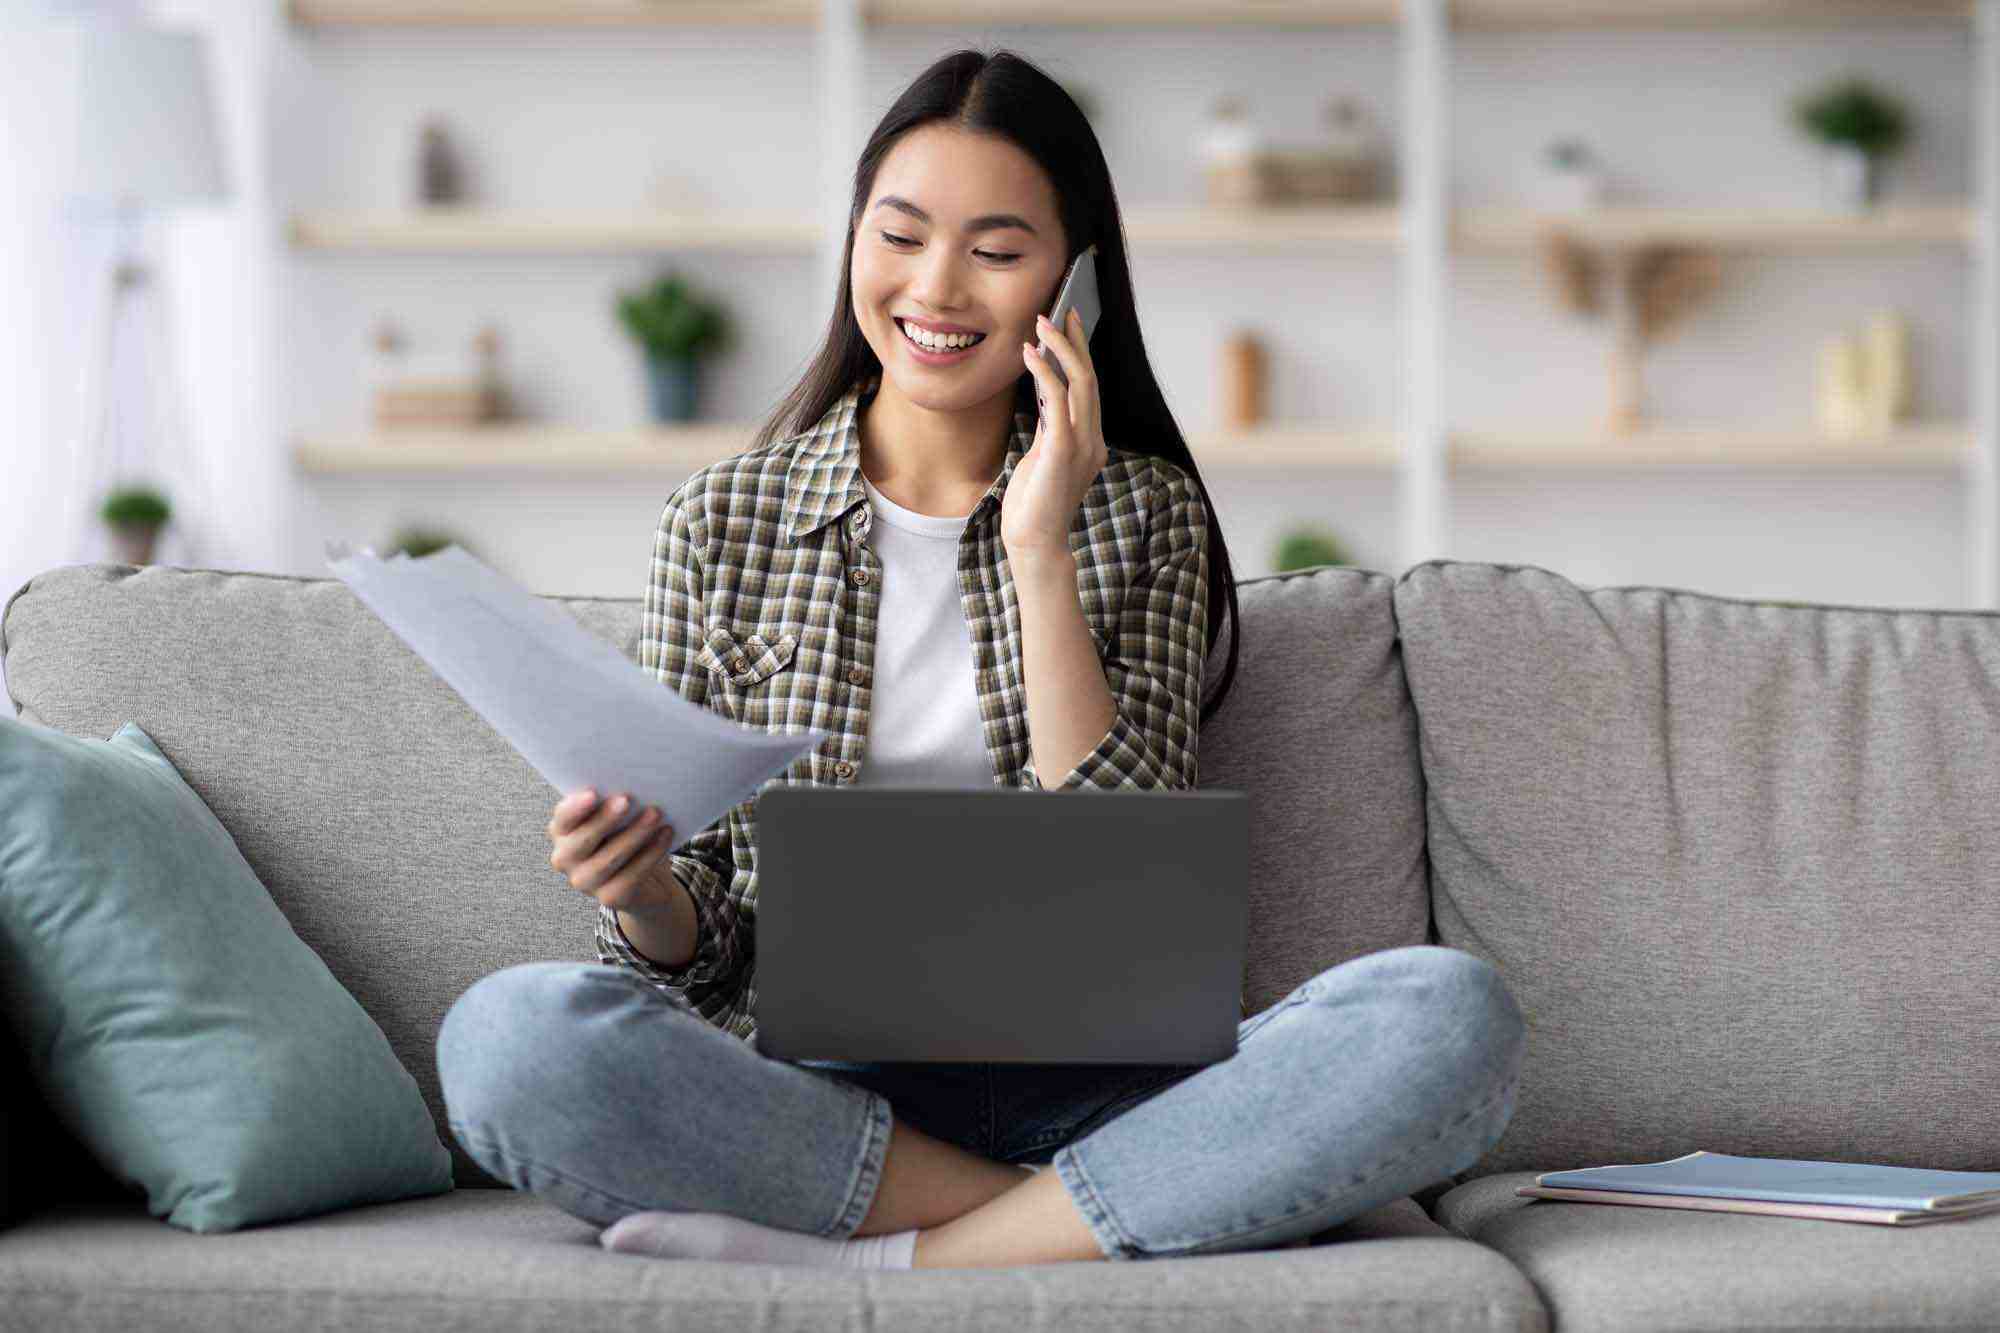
(619, 870)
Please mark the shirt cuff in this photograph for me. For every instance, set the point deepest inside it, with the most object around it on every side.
(1122, 761)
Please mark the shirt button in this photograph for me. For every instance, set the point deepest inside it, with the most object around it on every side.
(855, 675)
(859, 576)
(843, 770)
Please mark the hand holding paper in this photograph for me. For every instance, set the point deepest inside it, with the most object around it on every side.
(570, 703)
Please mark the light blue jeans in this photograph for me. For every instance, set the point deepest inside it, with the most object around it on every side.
(1375, 1078)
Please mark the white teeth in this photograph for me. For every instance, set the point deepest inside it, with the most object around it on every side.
(938, 342)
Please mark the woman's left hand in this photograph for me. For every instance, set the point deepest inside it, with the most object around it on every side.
(1050, 481)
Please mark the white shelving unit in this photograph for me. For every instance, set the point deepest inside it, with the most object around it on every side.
(1420, 450)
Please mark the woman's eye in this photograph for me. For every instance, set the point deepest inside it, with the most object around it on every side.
(894, 239)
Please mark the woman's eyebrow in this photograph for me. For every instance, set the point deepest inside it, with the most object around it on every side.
(984, 222)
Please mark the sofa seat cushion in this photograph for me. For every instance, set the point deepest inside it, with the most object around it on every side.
(1632, 1269)
(497, 1260)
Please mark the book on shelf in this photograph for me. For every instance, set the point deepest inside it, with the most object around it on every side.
(1781, 1186)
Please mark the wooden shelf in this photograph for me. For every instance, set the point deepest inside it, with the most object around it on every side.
(1276, 446)
(548, 13)
(1890, 226)
(1141, 13)
(1492, 14)
(631, 13)
(526, 447)
(1471, 14)
(539, 448)
(477, 231)
(788, 231)
(1915, 447)
(1289, 230)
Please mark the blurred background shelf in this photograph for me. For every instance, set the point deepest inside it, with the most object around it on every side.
(679, 449)
(1504, 14)
(517, 447)
(1890, 226)
(477, 231)
(530, 448)
(1917, 448)
(1289, 228)
(311, 14)
(794, 231)
(1477, 14)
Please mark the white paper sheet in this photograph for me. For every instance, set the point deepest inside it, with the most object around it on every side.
(574, 706)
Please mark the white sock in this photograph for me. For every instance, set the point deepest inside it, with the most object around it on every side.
(719, 1236)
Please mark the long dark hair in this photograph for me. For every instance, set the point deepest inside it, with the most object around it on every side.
(1008, 97)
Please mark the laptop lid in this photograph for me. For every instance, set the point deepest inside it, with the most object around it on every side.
(921, 924)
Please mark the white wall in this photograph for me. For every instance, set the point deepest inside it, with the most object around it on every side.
(35, 380)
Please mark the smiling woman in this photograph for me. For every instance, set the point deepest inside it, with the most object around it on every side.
(962, 593)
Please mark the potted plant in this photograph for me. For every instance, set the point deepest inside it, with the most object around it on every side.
(1309, 548)
(1860, 128)
(1572, 181)
(136, 514)
(674, 327)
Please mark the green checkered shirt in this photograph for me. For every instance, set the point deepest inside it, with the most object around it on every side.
(762, 605)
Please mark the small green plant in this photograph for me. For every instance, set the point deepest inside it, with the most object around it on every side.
(669, 320)
(419, 542)
(137, 506)
(1850, 111)
(1308, 548)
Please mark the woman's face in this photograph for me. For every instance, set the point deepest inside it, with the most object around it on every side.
(987, 258)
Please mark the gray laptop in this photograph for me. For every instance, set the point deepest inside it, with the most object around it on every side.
(934, 924)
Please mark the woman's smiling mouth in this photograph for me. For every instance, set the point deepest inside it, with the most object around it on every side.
(940, 356)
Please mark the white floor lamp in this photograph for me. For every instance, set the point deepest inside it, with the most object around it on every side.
(146, 142)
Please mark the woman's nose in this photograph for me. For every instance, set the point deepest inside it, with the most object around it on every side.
(938, 282)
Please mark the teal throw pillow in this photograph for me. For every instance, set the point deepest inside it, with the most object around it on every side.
(170, 1016)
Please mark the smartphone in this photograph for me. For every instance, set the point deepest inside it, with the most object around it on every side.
(1078, 292)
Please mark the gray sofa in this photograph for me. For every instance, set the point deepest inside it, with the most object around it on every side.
(1736, 860)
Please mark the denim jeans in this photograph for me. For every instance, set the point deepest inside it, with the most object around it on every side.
(1373, 1079)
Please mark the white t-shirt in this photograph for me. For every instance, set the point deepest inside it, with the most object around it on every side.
(923, 718)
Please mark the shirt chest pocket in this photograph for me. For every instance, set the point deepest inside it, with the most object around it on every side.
(750, 673)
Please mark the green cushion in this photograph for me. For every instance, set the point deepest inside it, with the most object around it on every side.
(170, 1016)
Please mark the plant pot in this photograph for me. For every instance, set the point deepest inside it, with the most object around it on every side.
(132, 543)
(673, 382)
(1853, 178)
(1571, 190)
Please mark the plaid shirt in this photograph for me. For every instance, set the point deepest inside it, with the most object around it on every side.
(762, 605)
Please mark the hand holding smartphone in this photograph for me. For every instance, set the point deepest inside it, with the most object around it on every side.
(1078, 292)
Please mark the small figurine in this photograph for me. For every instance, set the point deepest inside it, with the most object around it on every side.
(440, 178)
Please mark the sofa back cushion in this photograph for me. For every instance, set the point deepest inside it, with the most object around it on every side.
(1319, 729)
(1734, 858)
(404, 839)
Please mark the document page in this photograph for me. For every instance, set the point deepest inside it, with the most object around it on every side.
(574, 706)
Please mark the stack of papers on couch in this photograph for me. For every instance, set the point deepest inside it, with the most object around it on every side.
(1836, 1191)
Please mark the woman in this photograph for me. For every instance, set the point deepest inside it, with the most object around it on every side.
(964, 638)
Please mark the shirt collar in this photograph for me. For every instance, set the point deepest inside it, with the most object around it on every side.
(824, 479)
